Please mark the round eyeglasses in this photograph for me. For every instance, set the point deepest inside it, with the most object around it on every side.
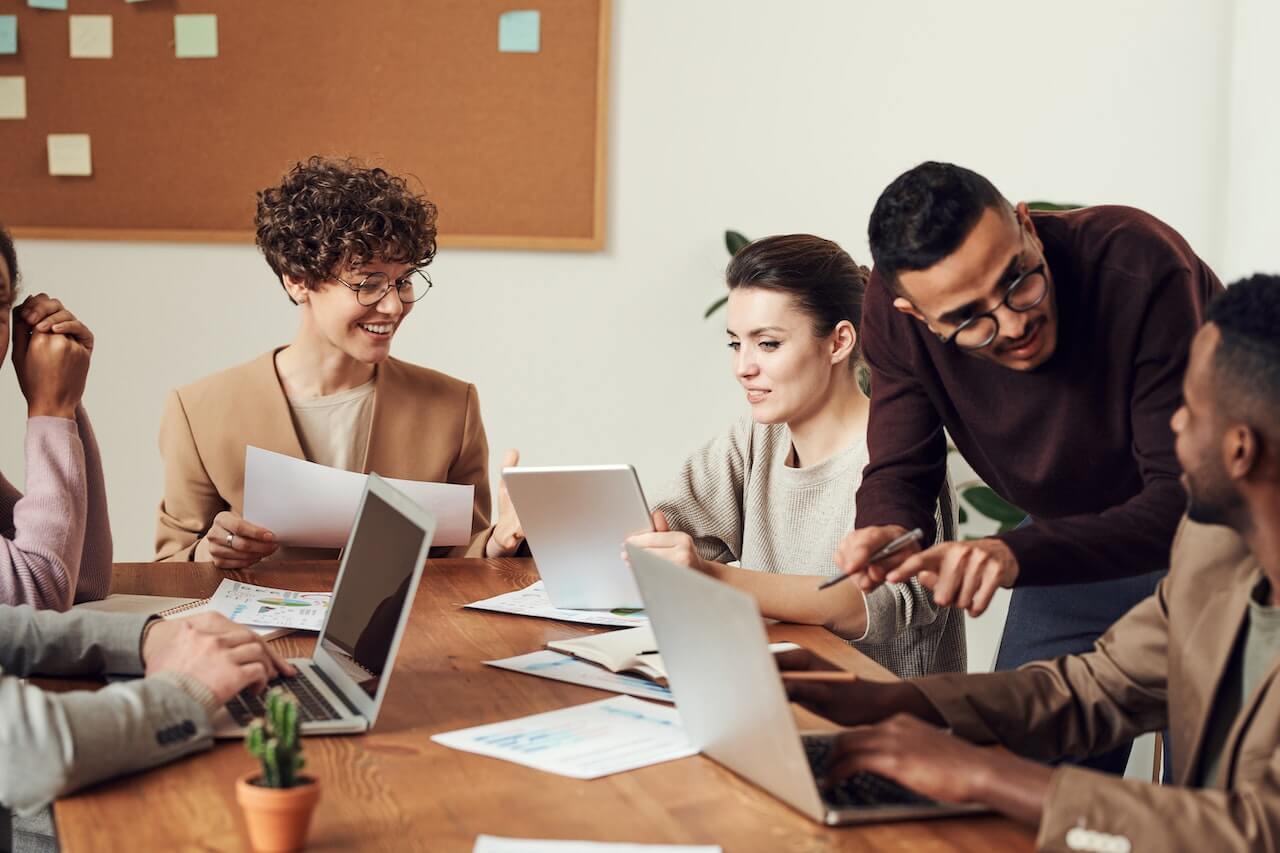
(374, 286)
(1026, 292)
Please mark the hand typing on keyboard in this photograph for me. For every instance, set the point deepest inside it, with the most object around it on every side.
(213, 650)
(917, 756)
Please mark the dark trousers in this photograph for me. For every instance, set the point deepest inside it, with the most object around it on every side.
(1050, 621)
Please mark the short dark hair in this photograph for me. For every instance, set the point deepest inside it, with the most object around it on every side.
(1246, 363)
(328, 213)
(925, 214)
(821, 278)
(10, 256)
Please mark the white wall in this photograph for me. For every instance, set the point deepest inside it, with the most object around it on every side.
(761, 116)
(1253, 186)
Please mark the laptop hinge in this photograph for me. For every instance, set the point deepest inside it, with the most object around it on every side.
(355, 712)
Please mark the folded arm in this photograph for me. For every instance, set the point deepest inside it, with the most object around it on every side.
(40, 560)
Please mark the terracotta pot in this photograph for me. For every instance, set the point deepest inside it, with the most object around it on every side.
(278, 818)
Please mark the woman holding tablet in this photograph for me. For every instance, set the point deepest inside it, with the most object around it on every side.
(349, 245)
(776, 491)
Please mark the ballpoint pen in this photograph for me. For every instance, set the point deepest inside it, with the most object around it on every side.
(887, 551)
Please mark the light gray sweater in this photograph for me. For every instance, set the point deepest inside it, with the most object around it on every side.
(54, 743)
(740, 501)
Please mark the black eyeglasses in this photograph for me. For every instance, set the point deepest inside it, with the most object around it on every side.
(1026, 292)
(374, 286)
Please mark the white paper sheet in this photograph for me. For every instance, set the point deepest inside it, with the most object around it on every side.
(270, 607)
(313, 506)
(533, 601)
(582, 742)
(495, 844)
(561, 667)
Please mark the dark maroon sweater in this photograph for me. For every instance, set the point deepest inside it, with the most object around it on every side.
(1082, 443)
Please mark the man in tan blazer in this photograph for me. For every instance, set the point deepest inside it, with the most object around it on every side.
(1198, 657)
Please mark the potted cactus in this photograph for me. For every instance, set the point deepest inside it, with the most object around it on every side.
(277, 802)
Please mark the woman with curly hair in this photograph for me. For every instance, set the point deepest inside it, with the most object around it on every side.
(349, 245)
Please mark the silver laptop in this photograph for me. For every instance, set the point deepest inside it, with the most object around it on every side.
(576, 518)
(731, 700)
(341, 686)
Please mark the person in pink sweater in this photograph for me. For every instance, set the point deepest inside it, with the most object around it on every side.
(55, 540)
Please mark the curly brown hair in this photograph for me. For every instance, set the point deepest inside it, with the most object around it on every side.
(328, 213)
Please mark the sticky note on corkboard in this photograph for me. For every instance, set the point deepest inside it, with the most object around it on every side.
(69, 154)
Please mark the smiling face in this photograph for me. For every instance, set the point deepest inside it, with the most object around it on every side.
(784, 368)
(975, 278)
(336, 319)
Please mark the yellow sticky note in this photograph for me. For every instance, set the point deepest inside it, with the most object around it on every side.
(69, 154)
(13, 97)
(90, 36)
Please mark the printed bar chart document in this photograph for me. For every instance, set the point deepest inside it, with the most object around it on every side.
(561, 667)
(268, 607)
(313, 506)
(495, 844)
(582, 742)
(533, 601)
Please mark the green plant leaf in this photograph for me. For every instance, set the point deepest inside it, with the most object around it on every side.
(964, 516)
(1052, 205)
(991, 505)
(863, 375)
(734, 241)
(715, 306)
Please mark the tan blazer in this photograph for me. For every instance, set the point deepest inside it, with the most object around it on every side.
(426, 426)
(1159, 666)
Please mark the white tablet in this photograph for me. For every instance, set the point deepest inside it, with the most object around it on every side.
(576, 519)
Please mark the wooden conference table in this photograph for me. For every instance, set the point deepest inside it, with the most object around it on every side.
(393, 789)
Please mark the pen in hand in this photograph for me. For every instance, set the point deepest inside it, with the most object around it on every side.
(888, 550)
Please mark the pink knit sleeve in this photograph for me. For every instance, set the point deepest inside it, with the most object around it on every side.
(95, 559)
(40, 562)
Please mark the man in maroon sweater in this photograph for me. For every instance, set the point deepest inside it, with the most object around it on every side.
(1051, 347)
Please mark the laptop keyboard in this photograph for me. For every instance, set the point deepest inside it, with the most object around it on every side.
(860, 789)
(248, 706)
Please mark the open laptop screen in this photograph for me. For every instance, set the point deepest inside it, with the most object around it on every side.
(367, 603)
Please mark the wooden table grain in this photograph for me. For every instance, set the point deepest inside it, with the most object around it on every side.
(393, 789)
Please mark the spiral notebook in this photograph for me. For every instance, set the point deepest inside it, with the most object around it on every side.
(168, 607)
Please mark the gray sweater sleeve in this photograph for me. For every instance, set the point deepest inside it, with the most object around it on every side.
(54, 743)
(893, 608)
(706, 499)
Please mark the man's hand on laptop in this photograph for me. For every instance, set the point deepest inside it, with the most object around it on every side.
(218, 653)
(672, 545)
(941, 766)
(842, 697)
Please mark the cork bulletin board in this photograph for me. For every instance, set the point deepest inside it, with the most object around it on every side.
(508, 143)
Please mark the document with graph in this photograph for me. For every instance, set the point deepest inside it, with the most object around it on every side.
(584, 741)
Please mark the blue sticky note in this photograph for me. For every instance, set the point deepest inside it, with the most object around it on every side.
(48, 4)
(8, 34)
(520, 31)
(195, 36)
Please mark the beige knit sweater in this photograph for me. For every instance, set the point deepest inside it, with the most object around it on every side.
(740, 501)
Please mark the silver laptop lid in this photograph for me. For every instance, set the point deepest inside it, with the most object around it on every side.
(373, 594)
(575, 518)
(725, 681)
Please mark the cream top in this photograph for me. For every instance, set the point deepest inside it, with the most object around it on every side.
(334, 430)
